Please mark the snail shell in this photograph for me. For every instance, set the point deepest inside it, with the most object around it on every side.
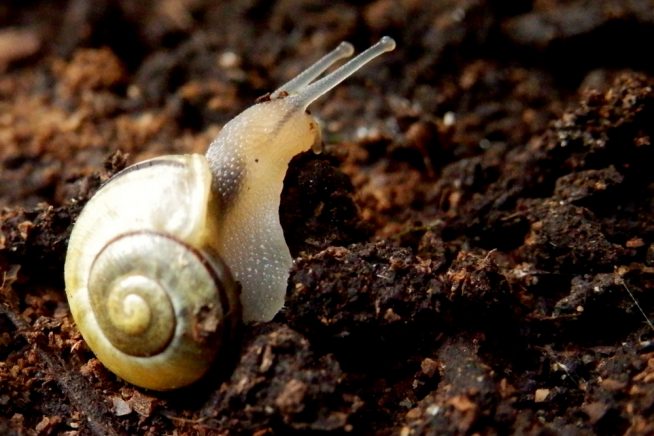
(144, 272)
(149, 293)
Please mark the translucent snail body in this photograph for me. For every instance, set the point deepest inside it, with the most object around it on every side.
(249, 159)
(155, 256)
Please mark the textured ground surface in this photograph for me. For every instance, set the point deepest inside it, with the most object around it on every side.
(474, 251)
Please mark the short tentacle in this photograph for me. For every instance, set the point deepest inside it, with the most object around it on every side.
(296, 84)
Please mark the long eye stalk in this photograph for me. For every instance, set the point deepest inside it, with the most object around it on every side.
(313, 91)
(344, 50)
(305, 92)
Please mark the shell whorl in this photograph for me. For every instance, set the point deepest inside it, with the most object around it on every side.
(131, 291)
(149, 293)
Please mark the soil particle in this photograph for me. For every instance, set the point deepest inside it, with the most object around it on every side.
(329, 215)
(466, 394)
(17, 44)
(368, 299)
(280, 385)
(573, 237)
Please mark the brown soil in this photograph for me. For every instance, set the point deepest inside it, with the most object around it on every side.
(474, 251)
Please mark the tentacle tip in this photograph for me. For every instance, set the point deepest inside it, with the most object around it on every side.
(345, 48)
(387, 43)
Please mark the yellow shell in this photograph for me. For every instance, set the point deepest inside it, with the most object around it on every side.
(145, 286)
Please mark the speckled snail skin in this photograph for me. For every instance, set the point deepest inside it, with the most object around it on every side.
(151, 257)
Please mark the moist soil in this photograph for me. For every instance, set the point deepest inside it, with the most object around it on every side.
(474, 250)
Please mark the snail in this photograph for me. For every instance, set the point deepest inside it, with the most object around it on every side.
(156, 256)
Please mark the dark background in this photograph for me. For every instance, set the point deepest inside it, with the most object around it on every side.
(474, 250)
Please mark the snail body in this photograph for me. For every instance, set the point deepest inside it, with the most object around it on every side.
(153, 256)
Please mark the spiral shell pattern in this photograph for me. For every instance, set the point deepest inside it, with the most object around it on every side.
(149, 293)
